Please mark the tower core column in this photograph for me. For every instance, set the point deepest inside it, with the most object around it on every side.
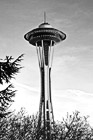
(45, 56)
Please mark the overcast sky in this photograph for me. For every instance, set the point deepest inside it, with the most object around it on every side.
(72, 70)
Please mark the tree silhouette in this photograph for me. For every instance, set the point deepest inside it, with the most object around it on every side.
(8, 69)
(22, 126)
(74, 127)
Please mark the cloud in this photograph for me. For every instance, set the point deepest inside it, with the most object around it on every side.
(74, 94)
(71, 100)
(27, 97)
(63, 101)
(26, 87)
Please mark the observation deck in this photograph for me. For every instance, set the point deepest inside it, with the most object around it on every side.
(44, 32)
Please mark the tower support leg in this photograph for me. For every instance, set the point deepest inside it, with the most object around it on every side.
(46, 117)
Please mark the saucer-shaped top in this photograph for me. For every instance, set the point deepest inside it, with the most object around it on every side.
(44, 32)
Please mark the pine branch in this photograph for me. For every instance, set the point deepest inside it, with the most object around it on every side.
(6, 96)
(5, 100)
(8, 68)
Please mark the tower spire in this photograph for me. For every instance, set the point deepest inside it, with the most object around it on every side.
(44, 17)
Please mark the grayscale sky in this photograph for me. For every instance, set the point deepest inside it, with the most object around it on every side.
(72, 70)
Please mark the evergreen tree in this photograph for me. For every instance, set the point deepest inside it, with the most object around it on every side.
(8, 69)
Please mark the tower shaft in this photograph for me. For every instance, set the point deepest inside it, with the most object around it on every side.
(46, 117)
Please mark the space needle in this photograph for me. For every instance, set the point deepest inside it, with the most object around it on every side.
(44, 38)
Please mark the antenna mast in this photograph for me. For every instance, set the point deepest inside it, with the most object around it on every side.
(44, 17)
